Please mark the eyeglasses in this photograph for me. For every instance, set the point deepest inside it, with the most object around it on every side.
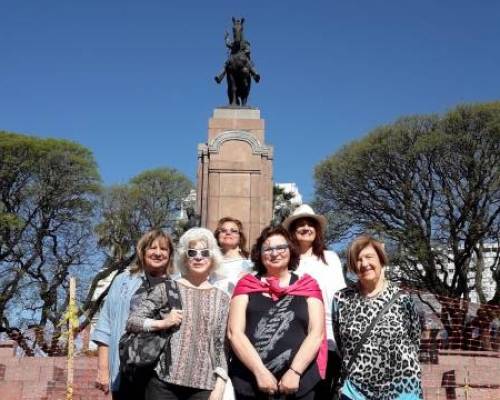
(280, 249)
(231, 231)
(196, 253)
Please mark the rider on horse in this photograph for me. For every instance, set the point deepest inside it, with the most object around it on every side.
(238, 47)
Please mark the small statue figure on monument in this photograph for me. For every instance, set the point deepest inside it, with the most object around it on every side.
(239, 68)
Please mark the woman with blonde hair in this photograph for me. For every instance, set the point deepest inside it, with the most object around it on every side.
(377, 330)
(153, 264)
(194, 365)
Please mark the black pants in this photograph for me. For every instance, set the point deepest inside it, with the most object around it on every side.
(263, 396)
(133, 390)
(325, 389)
(159, 390)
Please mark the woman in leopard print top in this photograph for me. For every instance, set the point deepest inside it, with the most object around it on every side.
(387, 365)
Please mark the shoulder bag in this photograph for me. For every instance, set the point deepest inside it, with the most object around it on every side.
(139, 351)
(364, 337)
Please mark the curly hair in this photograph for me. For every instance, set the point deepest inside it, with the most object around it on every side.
(197, 235)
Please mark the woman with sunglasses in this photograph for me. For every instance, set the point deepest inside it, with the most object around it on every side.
(307, 229)
(276, 325)
(196, 366)
(232, 242)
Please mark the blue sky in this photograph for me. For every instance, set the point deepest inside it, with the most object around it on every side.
(133, 80)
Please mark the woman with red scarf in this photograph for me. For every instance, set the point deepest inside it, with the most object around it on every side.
(276, 325)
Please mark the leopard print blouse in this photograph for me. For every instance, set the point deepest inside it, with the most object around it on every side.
(387, 365)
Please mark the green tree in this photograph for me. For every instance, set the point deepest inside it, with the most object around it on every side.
(48, 189)
(151, 200)
(430, 186)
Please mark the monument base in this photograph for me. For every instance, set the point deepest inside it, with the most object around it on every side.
(235, 171)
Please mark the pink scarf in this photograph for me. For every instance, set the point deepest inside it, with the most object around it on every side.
(305, 286)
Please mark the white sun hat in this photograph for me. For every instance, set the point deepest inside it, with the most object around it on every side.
(305, 211)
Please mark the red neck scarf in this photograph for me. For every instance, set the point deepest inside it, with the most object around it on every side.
(305, 286)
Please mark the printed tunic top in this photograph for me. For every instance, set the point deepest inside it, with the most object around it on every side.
(387, 365)
(197, 348)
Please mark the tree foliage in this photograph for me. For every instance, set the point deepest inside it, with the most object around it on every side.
(56, 220)
(430, 186)
(48, 190)
(151, 200)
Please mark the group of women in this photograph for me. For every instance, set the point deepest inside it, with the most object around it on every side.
(280, 325)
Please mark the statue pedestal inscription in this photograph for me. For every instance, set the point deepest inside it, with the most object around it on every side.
(235, 171)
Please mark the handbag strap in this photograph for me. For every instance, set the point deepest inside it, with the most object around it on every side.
(173, 294)
(370, 328)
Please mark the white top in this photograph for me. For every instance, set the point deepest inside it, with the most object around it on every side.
(330, 279)
(230, 272)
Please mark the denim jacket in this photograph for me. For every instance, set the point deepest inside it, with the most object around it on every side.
(113, 318)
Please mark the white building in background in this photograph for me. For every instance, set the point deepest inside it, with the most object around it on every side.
(490, 260)
(189, 201)
(291, 188)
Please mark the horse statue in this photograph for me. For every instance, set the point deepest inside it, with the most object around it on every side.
(239, 68)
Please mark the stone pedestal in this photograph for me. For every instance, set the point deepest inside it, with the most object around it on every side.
(235, 171)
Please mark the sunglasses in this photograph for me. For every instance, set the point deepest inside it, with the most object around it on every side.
(303, 231)
(280, 249)
(195, 253)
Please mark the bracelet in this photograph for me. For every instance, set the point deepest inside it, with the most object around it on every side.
(295, 371)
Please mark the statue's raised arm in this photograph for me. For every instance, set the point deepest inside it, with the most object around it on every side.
(239, 68)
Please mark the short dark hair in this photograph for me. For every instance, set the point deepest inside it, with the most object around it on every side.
(359, 244)
(266, 233)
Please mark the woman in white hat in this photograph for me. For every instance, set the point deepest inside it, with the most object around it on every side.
(308, 228)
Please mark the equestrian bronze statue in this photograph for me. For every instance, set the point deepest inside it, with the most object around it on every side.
(239, 68)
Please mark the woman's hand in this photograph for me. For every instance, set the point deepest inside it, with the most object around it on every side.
(266, 381)
(173, 318)
(289, 383)
(244, 350)
(102, 380)
(218, 390)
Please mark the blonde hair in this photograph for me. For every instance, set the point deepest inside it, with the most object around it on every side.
(359, 244)
(145, 242)
(197, 235)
